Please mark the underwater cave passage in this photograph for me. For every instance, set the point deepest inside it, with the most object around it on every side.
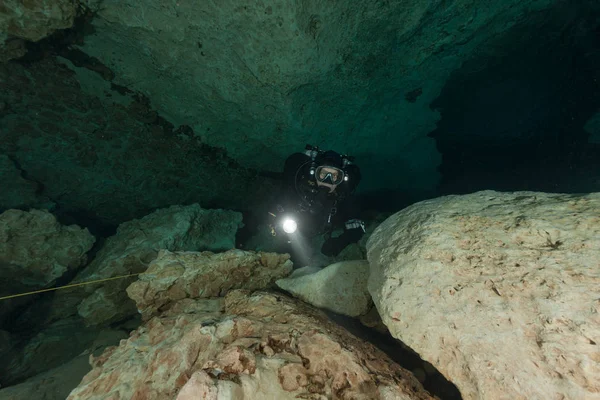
(514, 117)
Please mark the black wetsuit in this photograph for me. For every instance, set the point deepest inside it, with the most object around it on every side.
(316, 210)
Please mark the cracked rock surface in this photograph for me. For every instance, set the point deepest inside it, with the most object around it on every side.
(106, 157)
(36, 250)
(17, 192)
(263, 79)
(131, 250)
(499, 291)
(176, 276)
(245, 346)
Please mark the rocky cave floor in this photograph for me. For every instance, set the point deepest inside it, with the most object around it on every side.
(47, 351)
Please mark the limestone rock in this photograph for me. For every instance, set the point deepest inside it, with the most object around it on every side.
(499, 291)
(318, 290)
(372, 320)
(35, 249)
(10, 307)
(289, 73)
(129, 251)
(55, 384)
(306, 71)
(16, 191)
(54, 345)
(299, 272)
(32, 20)
(114, 160)
(175, 276)
(11, 48)
(340, 287)
(279, 76)
(136, 244)
(66, 372)
(258, 346)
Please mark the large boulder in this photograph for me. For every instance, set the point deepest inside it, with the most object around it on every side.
(499, 291)
(35, 251)
(133, 247)
(31, 20)
(176, 276)
(246, 346)
(35, 19)
(340, 287)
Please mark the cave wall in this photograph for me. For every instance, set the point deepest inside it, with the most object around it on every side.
(262, 79)
(145, 104)
(107, 162)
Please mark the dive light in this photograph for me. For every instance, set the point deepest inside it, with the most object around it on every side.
(289, 225)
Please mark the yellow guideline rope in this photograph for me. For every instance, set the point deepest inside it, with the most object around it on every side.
(67, 286)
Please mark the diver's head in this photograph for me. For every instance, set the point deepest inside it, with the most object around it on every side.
(329, 172)
(329, 177)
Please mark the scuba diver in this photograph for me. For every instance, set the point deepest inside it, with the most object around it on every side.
(317, 199)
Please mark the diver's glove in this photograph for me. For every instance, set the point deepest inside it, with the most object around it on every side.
(355, 229)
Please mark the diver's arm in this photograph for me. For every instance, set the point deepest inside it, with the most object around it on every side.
(334, 246)
(354, 229)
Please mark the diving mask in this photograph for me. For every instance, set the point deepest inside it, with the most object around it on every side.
(329, 175)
